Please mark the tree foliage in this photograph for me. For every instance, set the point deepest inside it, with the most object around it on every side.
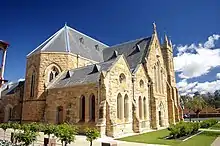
(196, 104)
(92, 134)
(66, 133)
(26, 137)
(49, 129)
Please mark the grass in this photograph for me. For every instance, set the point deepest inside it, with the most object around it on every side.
(157, 137)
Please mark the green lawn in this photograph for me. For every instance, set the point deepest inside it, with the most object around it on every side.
(157, 137)
(216, 126)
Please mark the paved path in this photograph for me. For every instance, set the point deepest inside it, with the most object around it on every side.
(80, 140)
(216, 142)
(211, 130)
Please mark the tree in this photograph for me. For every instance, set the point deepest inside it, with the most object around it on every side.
(26, 137)
(196, 104)
(92, 134)
(66, 133)
(4, 126)
(49, 129)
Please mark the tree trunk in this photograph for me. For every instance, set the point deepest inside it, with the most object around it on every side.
(65, 143)
(90, 143)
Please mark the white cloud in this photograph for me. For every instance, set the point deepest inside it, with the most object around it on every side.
(197, 59)
(19, 80)
(218, 75)
(204, 87)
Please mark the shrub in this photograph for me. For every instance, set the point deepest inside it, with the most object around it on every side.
(182, 129)
(208, 123)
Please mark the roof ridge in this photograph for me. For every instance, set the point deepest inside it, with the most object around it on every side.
(129, 42)
(87, 36)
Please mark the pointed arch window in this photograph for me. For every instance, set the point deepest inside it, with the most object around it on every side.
(119, 107)
(92, 107)
(145, 108)
(140, 108)
(32, 84)
(53, 73)
(82, 108)
(126, 108)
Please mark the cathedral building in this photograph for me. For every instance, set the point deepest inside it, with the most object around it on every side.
(71, 77)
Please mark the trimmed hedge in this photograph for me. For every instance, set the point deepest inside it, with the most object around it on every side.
(183, 129)
(208, 123)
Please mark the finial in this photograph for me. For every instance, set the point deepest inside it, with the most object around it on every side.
(155, 27)
(165, 39)
(170, 43)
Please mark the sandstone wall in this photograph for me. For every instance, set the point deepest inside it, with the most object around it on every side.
(117, 126)
(40, 63)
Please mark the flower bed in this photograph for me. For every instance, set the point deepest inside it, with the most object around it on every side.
(208, 123)
(183, 129)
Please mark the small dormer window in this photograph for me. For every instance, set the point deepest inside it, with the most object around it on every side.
(138, 48)
(97, 47)
(81, 40)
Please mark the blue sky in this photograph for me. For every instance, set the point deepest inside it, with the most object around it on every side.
(26, 24)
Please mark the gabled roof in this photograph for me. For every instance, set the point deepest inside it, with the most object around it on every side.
(82, 75)
(70, 40)
(134, 51)
(11, 88)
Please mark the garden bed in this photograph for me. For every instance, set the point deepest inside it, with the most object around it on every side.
(182, 137)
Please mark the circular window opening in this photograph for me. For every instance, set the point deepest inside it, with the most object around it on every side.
(122, 78)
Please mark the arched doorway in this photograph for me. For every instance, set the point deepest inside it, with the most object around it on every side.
(160, 114)
(8, 113)
(59, 115)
